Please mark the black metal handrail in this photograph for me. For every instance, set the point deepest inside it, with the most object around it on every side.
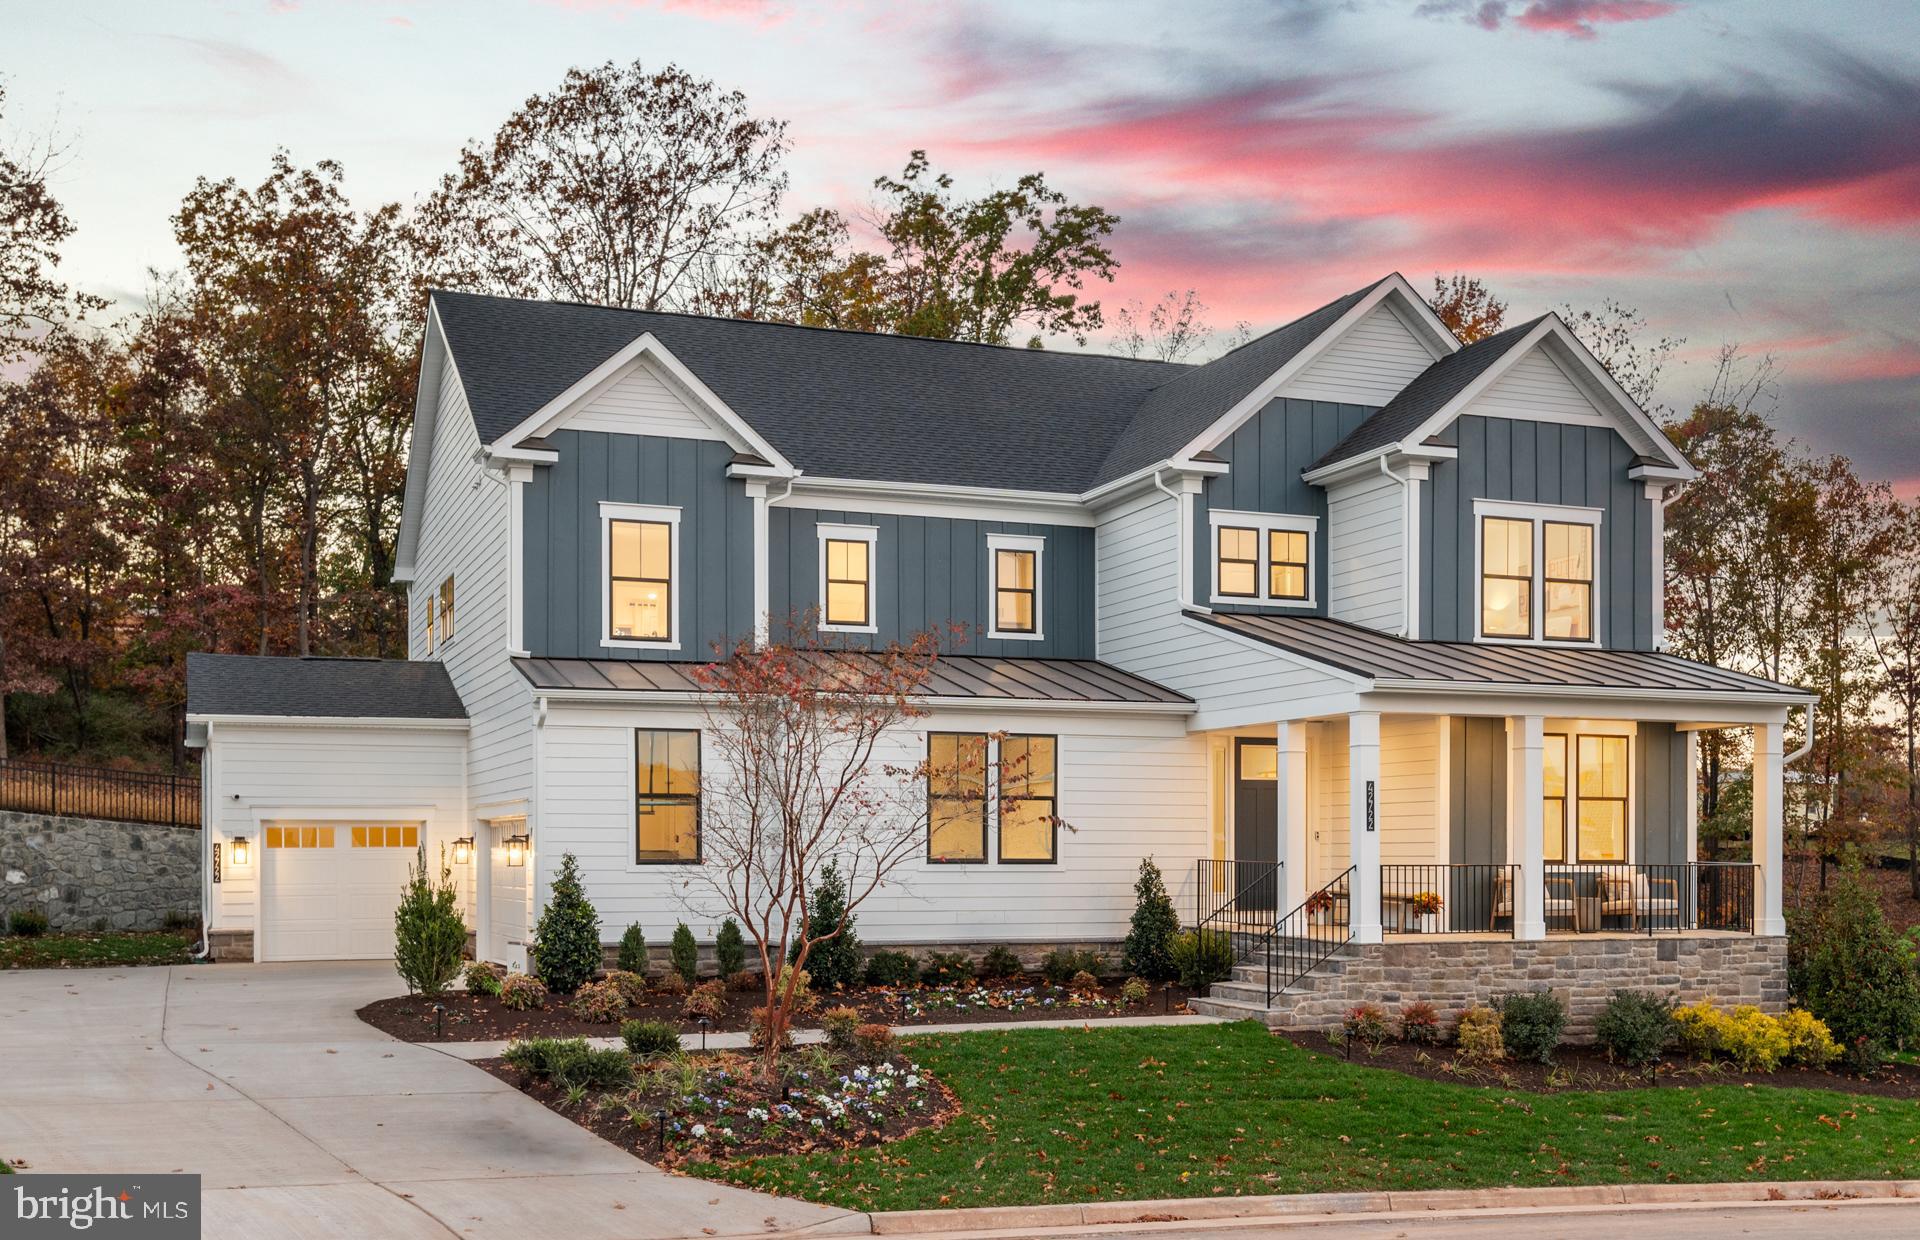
(1302, 940)
(1468, 898)
(1649, 897)
(1238, 899)
(61, 788)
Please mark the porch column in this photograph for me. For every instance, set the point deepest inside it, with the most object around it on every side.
(1769, 828)
(1295, 830)
(1363, 817)
(1527, 821)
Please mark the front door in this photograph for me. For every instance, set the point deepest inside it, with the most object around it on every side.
(1256, 811)
(507, 902)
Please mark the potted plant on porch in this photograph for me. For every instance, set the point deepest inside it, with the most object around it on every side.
(1426, 906)
(1320, 907)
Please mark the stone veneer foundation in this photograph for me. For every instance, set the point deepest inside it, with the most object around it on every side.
(1584, 971)
(87, 873)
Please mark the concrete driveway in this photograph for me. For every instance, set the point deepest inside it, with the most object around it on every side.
(304, 1122)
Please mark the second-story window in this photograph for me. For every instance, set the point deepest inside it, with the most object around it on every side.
(1287, 564)
(1537, 572)
(642, 561)
(1239, 569)
(446, 609)
(1013, 582)
(846, 577)
(1263, 557)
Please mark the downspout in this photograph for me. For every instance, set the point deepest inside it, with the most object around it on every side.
(1806, 745)
(205, 946)
(1667, 496)
(1183, 509)
(762, 562)
(1409, 564)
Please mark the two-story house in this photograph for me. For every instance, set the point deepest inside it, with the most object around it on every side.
(1355, 629)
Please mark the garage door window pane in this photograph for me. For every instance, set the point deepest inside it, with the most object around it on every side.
(666, 781)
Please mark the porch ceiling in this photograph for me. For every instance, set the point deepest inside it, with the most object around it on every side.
(1397, 663)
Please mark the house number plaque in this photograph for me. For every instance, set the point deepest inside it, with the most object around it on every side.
(1369, 805)
(216, 863)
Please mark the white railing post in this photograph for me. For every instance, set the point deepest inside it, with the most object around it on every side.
(1363, 819)
(1527, 822)
(1295, 830)
(1769, 829)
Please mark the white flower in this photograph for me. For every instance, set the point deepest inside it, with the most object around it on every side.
(699, 1130)
(817, 1122)
(913, 1082)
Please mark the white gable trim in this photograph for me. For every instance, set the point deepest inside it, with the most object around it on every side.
(1417, 314)
(435, 359)
(647, 348)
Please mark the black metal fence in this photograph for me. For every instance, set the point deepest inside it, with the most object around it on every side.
(100, 792)
(1647, 898)
(1447, 899)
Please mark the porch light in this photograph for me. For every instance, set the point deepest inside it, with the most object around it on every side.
(516, 850)
(463, 850)
(242, 850)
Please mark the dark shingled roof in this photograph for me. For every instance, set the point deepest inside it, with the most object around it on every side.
(1426, 395)
(953, 676)
(883, 408)
(1385, 658)
(238, 684)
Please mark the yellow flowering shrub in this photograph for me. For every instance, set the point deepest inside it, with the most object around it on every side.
(1478, 1035)
(1754, 1040)
(1699, 1027)
(1808, 1039)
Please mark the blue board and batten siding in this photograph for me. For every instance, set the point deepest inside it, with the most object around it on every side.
(564, 592)
(1540, 463)
(932, 571)
(1267, 455)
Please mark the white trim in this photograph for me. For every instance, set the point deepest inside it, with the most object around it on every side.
(1265, 523)
(1016, 542)
(756, 489)
(1006, 705)
(435, 357)
(518, 476)
(1538, 515)
(870, 535)
(326, 721)
(918, 499)
(611, 511)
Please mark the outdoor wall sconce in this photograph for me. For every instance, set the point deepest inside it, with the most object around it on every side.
(242, 850)
(516, 850)
(463, 850)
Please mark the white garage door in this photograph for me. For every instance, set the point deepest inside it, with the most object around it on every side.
(329, 888)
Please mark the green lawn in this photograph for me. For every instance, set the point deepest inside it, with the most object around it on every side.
(1073, 1115)
(93, 950)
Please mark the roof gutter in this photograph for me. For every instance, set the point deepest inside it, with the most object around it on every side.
(1723, 697)
(333, 721)
(678, 697)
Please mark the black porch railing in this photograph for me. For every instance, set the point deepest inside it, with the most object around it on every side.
(1447, 899)
(1648, 898)
(1238, 898)
(99, 792)
(1306, 936)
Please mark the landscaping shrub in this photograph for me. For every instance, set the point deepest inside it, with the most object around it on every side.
(757, 1032)
(709, 1000)
(1698, 1026)
(672, 984)
(1531, 1024)
(1000, 963)
(873, 1042)
(729, 948)
(1477, 1034)
(28, 923)
(1203, 958)
(1753, 1040)
(804, 1000)
(566, 943)
(1635, 1028)
(891, 968)
(834, 963)
(1083, 983)
(1133, 991)
(744, 979)
(1059, 965)
(632, 986)
(523, 992)
(1150, 936)
(840, 1024)
(650, 1039)
(1420, 1023)
(946, 968)
(599, 1003)
(429, 935)
(1848, 967)
(570, 1061)
(536, 1056)
(684, 954)
(1809, 1041)
(484, 978)
(1365, 1024)
(633, 951)
(178, 919)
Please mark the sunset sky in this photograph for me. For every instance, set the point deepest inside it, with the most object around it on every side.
(1742, 172)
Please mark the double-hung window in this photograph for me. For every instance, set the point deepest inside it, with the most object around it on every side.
(1013, 584)
(847, 578)
(977, 783)
(1028, 799)
(1537, 572)
(956, 796)
(666, 786)
(640, 550)
(1586, 793)
(446, 609)
(1263, 557)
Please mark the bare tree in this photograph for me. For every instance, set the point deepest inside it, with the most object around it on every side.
(1170, 330)
(33, 225)
(616, 189)
(1616, 334)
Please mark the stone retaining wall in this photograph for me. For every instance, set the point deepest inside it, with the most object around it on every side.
(1584, 971)
(87, 873)
(1030, 952)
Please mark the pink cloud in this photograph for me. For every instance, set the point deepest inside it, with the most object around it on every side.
(1577, 19)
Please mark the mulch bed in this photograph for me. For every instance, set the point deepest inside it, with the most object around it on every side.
(1586, 1069)
(479, 1018)
(631, 1121)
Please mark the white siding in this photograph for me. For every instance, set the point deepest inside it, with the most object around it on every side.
(1369, 365)
(374, 774)
(1409, 818)
(639, 402)
(464, 533)
(1131, 786)
(1141, 629)
(1366, 550)
(1535, 388)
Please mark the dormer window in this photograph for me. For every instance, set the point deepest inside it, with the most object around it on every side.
(640, 562)
(1263, 557)
(846, 578)
(1537, 572)
(1013, 583)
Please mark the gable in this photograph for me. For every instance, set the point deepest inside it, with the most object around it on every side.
(1368, 365)
(1536, 388)
(640, 400)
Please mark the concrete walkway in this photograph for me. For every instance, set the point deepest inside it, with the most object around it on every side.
(304, 1122)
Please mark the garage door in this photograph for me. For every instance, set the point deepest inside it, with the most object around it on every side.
(329, 888)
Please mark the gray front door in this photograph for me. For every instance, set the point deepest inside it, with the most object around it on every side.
(1256, 810)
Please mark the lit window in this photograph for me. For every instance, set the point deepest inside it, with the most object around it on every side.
(1568, 570)
(849, 573)
(666, 781)
(956, 796)
(1239, 567)
(1506, 577)
(446, 609)
(1602, 789)
(1287, 564)
(433, 605)
(640, 580)
(1538, 572)
(1013, 565)
(1555, 765)
(1028, 825)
